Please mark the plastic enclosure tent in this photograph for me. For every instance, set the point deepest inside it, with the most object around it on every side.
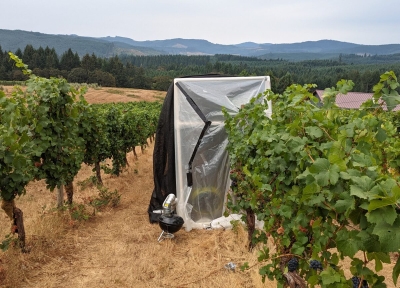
(201, 160)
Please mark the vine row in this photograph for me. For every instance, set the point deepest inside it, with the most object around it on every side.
(324, 180)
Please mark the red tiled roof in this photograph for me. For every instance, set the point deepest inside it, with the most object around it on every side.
(352, 100)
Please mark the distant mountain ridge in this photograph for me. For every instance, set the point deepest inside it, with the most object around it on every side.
(11, 40)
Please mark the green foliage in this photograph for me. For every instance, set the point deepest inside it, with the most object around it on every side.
(79, 212)
(17, 145)
(39, 134)
(93, 130)
(157, 72)
(88, 182)
(244, 266)
(106, 168)
(11, 83)
(5, 244)
(47, 131)
(235, 226)
(20, 64)
(106, 198)
(320, 177)
(58, 135)
(113, 130)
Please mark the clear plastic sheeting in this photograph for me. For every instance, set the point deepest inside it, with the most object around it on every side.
(202, 170)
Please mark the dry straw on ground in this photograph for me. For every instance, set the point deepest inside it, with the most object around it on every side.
(117, 247)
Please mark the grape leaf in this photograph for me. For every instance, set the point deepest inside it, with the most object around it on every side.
(348, 242)
(389, 235)
(381, 135)
(379, 257)
(383, 202)
(387, 214)
(314, 131)
(329, 276)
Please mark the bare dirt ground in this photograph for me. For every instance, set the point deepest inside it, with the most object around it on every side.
(117, 247)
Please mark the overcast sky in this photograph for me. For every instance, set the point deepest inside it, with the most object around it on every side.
(218, 21)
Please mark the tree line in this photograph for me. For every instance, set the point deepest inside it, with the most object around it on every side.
(45, 62)
(157, 72)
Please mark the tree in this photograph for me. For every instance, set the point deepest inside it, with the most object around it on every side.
(27, 57)
(116, 68)
(69, 60)
(141, 81)
(90, 63)
(51, 60)
(161, 83)
(102, 78)
(40, 58)
(78, 75)
(284, 82)
(18, 53)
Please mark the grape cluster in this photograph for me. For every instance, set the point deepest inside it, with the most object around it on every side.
(316, 265)
(293, 264)
(356, 282)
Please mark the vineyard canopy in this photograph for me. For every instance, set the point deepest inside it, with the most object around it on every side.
(190, 157)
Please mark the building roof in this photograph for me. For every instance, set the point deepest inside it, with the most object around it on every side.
(352, 100)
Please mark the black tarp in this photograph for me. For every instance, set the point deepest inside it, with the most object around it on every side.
(164, 153)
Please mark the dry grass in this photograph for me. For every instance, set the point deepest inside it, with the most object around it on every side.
(118, 247)
(103, 95)
(107, 95)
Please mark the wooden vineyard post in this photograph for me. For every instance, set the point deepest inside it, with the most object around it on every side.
(60, 196)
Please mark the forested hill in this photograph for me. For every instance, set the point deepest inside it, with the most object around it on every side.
(322, 49)
(157, 72)
(11, 40)
(185, 46)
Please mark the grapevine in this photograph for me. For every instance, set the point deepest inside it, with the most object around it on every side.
(47, 131)
(115, 129)
(38, 136)
(320, 178)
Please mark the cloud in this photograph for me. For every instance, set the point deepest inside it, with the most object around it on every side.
(222, 21)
